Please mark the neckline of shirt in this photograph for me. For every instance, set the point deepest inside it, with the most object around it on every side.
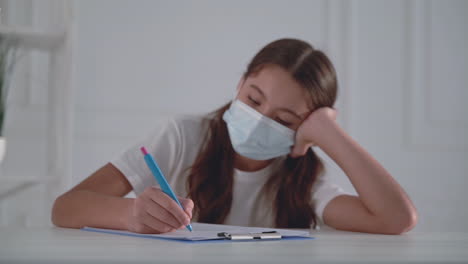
(259, 175)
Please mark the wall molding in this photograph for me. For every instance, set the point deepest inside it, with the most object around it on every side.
(341, 41)
(421, 131)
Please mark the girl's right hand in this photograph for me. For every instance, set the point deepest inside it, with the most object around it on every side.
(153, 211)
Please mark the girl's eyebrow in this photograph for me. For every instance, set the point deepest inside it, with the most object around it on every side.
(255, 87)
(291, 112)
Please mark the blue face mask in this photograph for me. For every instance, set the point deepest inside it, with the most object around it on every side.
(254, 135)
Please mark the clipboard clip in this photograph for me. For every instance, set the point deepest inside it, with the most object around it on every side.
(250, 236)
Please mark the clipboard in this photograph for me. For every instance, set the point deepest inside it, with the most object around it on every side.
(271, 235)
(214, 233)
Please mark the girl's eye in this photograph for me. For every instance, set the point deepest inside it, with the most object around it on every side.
(255, 102)
(284, 123)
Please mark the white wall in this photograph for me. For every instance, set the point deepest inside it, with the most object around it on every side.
(401, 65)
(149, 59)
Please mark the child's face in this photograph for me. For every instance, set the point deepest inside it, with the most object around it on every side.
(274, 93)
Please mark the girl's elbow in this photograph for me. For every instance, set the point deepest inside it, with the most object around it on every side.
(412, 220)
(57, 214)
(404, 223)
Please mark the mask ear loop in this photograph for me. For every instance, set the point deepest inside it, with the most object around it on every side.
(237, 91)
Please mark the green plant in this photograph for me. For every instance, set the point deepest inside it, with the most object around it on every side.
(8, 50)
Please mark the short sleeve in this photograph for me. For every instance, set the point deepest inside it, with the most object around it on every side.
(322, 193)
(163, 143)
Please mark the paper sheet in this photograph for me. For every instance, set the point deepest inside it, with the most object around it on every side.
(204, 232)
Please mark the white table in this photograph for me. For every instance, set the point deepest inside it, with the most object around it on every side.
(59, 245)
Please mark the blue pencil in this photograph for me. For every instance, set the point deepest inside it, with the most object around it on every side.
(160, 179)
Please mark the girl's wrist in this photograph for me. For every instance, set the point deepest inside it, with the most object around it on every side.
(325, 132)
(127, 210)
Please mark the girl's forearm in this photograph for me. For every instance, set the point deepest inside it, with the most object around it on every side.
(377, 189)
(81, 208)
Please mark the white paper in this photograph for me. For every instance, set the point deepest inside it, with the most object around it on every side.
(203, 232)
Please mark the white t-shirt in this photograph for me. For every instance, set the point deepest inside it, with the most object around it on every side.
(175, 147)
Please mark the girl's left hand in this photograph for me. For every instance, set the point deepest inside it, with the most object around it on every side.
(309, 132)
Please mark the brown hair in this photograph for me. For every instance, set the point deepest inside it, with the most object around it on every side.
(210, 180)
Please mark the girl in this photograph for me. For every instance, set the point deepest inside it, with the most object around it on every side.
(249, 163)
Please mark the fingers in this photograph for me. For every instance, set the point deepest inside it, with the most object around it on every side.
(158, 212)
(143, 222)
(188, 206)
(300, 150)
(170, 206)
(155, 212)
(155, 224)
